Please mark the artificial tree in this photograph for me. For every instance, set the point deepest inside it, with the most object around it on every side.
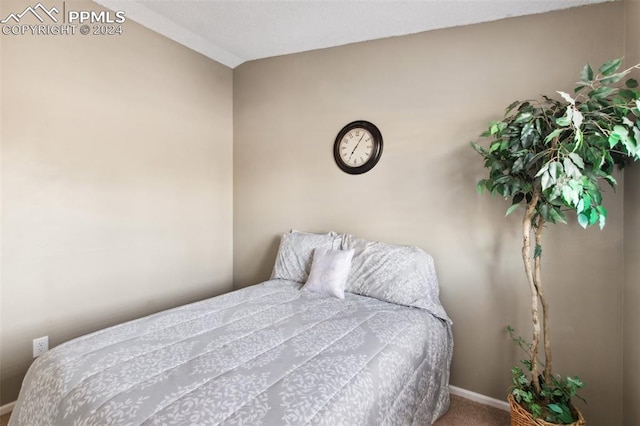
(550, 156)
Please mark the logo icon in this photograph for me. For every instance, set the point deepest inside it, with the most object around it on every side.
(34, 11)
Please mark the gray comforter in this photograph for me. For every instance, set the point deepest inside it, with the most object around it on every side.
(269, 354)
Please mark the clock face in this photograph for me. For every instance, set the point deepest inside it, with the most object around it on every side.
(358, 147)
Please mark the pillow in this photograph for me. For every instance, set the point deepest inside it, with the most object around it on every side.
(329, 272)
(293, 261)
(402, 275)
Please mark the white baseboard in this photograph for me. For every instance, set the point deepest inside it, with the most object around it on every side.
(483, 399)
(7, 408)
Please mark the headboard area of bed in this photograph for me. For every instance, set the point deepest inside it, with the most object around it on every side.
(404, 275)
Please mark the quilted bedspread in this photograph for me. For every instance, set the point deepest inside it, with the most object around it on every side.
(269, 354)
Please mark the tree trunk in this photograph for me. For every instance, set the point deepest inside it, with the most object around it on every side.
(527, 260)
(537, 230)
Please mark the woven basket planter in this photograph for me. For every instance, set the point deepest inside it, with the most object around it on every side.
(521, 417)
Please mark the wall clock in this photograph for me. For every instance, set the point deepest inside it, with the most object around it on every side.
(358, 147)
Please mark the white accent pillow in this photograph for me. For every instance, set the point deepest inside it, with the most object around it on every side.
(329, 272)
(295, 254)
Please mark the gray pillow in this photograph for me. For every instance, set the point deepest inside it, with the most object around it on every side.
(403, 275)
(329, 272)
(293, 261)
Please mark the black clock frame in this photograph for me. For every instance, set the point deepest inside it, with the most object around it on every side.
(377, 147)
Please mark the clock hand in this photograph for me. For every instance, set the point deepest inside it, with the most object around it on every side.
(356, 147)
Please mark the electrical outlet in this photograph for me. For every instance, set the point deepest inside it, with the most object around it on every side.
(40, 346)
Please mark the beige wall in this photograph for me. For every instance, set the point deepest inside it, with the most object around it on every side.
(430, 94)
(631, 292)
(116, 183)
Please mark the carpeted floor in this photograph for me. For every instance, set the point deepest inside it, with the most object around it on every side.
(462, 412)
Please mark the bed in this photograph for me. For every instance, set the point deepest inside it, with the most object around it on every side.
(269, 354)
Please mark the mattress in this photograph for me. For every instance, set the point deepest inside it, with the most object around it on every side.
(269, 354)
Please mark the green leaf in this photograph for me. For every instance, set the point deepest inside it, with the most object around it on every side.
(577, 119)
(563, 121)
(511, 107)
(511, 209)
(614, 78)
(570, 196)
(517, 198)
(478, 148)
(583, 220)
(620, 103)
(620, 130)
(596, 196)
(480, 186)
(527, 135)
(546, 180)
(544, 212)
(602, 211)
(525, 106)
(578, 88)
(538, 251)
(518, 165)
(555, 193)
(627, 122)
(576, 185)
(566, 97)
(593, 217)
(610, 67)
(612, 181)
(542, 170)
(601, 92)
(553, 134)
(577, 160)
(575, 381)
(586, 75)
(631, 83)
(565, 416)
(555, 170)
(594, 155)
(523, 117)
(555, 408)
(627, 94)
(613, 140)
(623, 134)
(558, 216)
(570, 169)
(536, 410)
(578, 138)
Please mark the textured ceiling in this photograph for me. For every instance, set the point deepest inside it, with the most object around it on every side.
(235, 31)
